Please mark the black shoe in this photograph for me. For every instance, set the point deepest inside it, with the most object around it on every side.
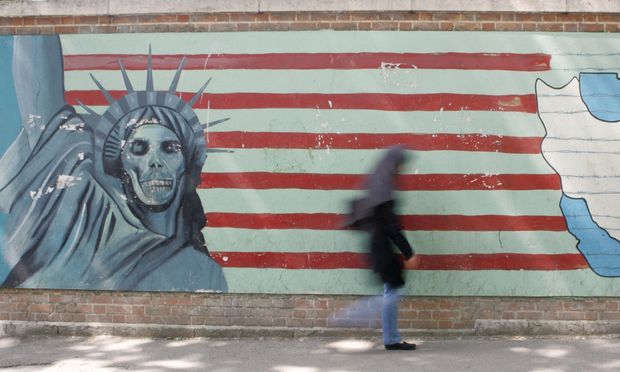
(400, 346)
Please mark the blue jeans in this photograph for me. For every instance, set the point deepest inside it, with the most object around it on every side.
(389, 315)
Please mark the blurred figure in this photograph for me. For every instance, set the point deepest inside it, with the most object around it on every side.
(374, 213)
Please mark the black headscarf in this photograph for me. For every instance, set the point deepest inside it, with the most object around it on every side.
(379, 186)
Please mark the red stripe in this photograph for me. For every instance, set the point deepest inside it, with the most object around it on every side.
(350, 260)
(410, 182)
(281, 61)
(437, 222)
(484, 223)
(342, 101)
(419, 142)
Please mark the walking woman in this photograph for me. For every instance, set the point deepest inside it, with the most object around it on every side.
(374, 213)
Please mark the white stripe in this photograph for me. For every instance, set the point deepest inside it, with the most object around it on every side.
(423, 242)
(361, 161)
(370, 121)
(341, 42)
(425, 283)
(542, 203)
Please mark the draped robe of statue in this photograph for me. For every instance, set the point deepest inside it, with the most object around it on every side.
(69, 223)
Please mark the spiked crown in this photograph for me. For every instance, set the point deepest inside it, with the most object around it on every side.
(109, 131)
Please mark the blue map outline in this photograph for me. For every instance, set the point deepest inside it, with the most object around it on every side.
(600, 93)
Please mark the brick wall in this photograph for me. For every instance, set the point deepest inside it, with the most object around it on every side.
(458, 315)
(290, 21)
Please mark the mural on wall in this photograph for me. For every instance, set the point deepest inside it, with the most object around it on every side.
(509, 190)
(581, 122)
(102, 201)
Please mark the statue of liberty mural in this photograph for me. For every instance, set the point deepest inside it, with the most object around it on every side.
(103, 201)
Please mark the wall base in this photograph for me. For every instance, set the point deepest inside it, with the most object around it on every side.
(483, 328)
(170, 314)
(546, 328)
(25, 328)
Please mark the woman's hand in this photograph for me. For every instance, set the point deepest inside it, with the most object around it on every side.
(413, 262)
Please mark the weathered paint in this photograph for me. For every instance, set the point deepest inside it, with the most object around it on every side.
(510, 192)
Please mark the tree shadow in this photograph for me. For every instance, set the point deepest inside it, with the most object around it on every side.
(110, 353)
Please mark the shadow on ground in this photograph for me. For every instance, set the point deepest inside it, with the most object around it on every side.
(107, 353)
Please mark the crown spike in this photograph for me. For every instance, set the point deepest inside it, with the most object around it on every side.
(125, 77)
(198, 94)
(213, 123)
(149, 72)
(88, 109)
(106, 94)
(177, 76)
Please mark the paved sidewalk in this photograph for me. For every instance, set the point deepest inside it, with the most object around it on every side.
(108, 353)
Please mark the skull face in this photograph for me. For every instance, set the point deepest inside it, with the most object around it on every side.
(154, 162)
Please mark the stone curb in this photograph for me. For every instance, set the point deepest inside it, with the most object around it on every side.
(21, 8)
(26, 328)
(546, 327)
(483, 328)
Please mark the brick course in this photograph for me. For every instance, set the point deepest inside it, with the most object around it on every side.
(305, 311)
(290, 21)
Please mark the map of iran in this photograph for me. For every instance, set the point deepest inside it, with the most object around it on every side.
(582, 145)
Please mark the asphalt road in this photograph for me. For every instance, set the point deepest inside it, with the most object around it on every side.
(107, 353)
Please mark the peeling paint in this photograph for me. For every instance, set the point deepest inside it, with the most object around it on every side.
(388, 69)
(64, 181)
(514, 102)
(76, 127)
(32, 119)
(34, 195)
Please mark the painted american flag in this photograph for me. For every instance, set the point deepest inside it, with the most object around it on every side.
(310, 113)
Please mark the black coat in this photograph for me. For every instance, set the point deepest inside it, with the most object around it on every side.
(385, 230)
